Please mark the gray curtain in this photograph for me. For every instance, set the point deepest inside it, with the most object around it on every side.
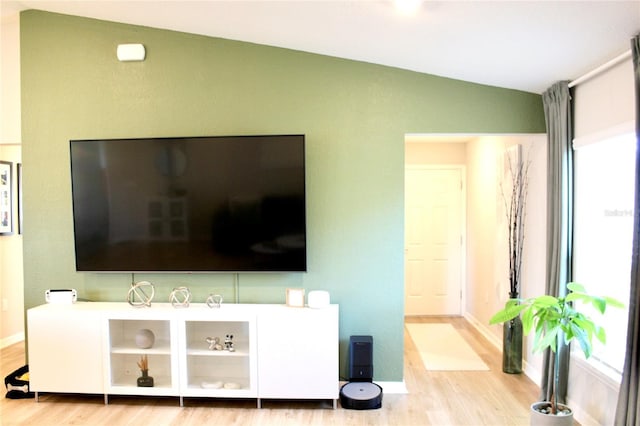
(629, 397)
(557, 110)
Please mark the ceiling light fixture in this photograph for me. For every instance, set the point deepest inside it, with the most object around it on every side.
(408, 7)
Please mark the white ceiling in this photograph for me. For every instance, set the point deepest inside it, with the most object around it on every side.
(524, 45)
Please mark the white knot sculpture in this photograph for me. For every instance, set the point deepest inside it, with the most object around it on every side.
(180, 297)
(141, 294)
(214, 300)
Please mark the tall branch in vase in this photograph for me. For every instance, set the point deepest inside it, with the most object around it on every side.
(515, 211)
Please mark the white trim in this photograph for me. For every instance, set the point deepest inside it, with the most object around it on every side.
(10, 340)
(602, 68)
(532, 373)
(617, 130)
(584, 414)
(480, 328)
(459, 137)
(393, 387)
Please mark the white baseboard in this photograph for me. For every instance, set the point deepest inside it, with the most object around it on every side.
(482, 329)
(393, 387)
(8, 341)
(532, 373)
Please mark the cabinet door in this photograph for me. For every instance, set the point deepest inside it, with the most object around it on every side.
(65, 350)
(298, 353)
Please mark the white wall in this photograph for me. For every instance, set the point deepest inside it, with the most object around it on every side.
(11, 272)
(434, 152)
(487, 267)
(592, 394)
(10, 80)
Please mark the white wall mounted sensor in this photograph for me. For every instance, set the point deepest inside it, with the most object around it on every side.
(131, 52)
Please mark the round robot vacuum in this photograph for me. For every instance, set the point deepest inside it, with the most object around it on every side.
(361, 396)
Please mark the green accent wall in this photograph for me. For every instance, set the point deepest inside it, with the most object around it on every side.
(354, 116)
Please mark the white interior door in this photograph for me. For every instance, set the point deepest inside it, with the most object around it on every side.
(434, 243)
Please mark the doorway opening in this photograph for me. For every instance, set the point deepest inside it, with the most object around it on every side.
(455, 246)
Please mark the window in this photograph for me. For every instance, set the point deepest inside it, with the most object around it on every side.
(603, 229)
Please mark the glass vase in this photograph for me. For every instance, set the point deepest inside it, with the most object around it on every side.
(512, 346)
(145, 381)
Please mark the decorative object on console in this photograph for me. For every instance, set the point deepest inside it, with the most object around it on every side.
(144, 381)
(295, 297)
(214, 343)
(232, 385)
(180, 297)
(214, 300)
(145, 338)
(228, 343)
(318, 299)
(141, 294)
(61, 295)
(212, 385)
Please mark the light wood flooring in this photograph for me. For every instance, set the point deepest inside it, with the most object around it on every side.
(434, 398)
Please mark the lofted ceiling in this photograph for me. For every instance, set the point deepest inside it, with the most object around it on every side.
(523, 45)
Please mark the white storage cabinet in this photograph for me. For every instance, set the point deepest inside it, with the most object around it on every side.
(278, 351)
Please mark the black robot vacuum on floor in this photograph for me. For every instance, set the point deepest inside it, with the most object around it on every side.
(361, 393)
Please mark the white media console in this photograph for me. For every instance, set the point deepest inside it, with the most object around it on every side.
(279, 352)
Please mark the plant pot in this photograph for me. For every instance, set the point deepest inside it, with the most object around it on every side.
(539, 418)
(512, 346)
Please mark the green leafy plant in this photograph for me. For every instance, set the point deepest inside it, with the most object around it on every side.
(556, 319)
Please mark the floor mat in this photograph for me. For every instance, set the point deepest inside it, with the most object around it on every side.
(442, 348)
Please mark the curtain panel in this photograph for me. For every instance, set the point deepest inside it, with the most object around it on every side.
(557, 110)
(628, 398)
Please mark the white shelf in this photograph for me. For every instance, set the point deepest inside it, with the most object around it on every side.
(158, 349)
(121, 382)
(222, 353)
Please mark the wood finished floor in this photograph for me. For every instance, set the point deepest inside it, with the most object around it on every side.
(434, 398)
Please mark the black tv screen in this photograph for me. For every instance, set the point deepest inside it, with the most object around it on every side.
(192, 204)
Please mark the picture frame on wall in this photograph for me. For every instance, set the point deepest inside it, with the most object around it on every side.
(19, 182)
(6, 197)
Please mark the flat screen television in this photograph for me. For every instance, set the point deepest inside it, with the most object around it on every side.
(190, 204)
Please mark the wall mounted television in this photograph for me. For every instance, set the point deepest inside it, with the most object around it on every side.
(190, 204)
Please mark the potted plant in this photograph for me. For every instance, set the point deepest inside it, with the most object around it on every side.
(556, 320)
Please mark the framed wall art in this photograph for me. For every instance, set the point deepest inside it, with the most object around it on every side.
(19, 181)
(6, 186)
